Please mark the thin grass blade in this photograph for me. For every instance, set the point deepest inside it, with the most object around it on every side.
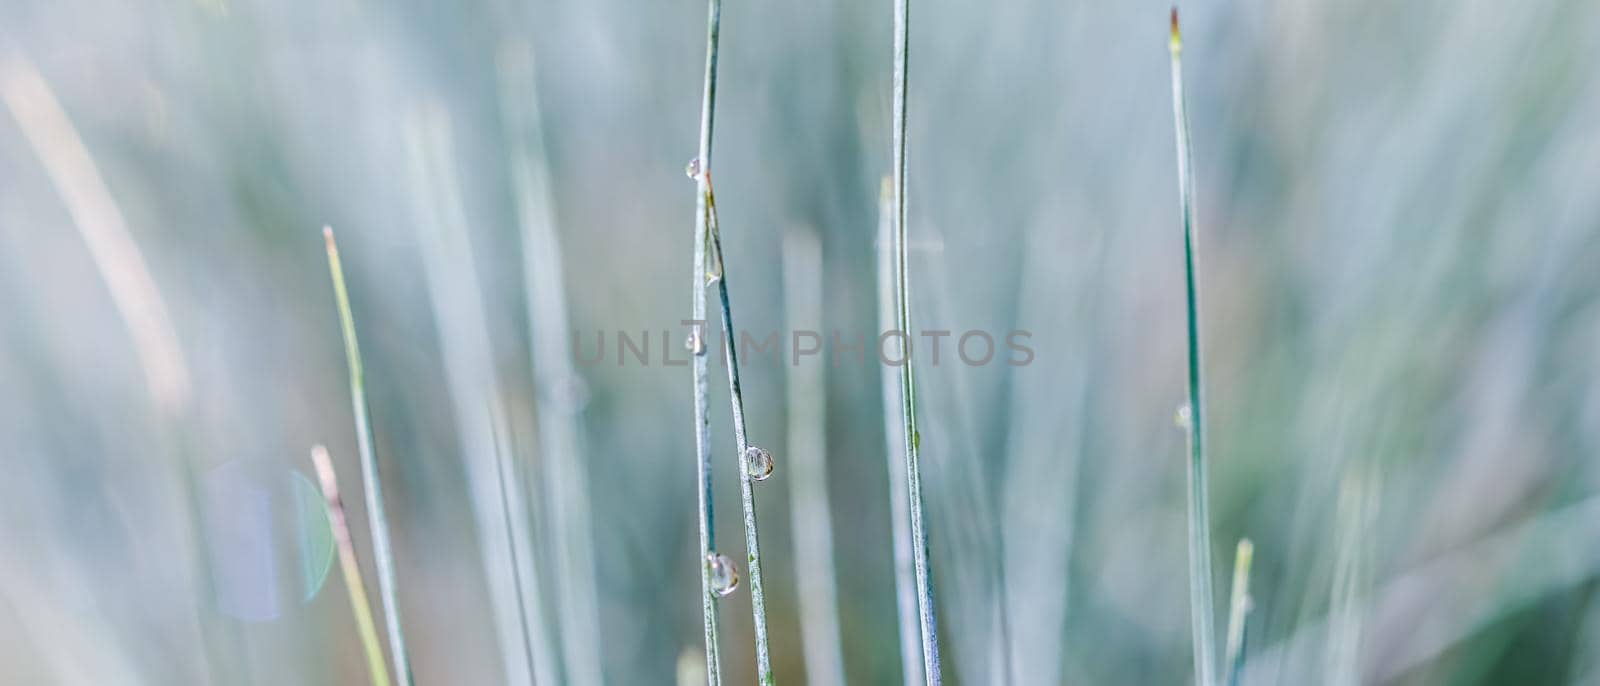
(1201, 601)
(382, 554)
(699, 364)
(905, 570)
(563, 447)
(812, 515)
(911, 440)
(500, 507)
(1239, 606)
(752, 536)
(357, 589)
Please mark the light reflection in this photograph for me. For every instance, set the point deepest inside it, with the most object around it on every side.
(267, 537)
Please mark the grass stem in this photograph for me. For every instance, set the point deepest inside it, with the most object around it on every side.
(382, 554)
(559, 409)
(1239, 606)
(905, 572)
(530, 600)
(758, 603)
(701, 372)
(911, 440)
(812, 515)
(357, 589)
(503, 512)
(1200, 594)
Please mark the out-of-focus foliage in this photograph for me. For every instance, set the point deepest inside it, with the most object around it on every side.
(1400, 237)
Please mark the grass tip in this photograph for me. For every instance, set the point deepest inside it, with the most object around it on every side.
(327, 238)
(1177, 36)
(324, 464)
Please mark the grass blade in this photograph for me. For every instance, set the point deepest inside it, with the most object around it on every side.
(812, 516)
(350, 568)
(500, 507)
(1200, 594)
(1347, 617)
(382, 554)
(905, 571)
(702, 431)
(537, 648)
(1239, 606)
(563, 446)
(911, 440)
(752, 544)
(100, 222)
(137, 298)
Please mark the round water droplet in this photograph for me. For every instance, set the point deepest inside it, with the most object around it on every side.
(723, 573)
(1183, 416)
(695, 343)
(758, 462)
(692, 169)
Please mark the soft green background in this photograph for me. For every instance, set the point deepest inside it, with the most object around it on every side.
(1401, 253)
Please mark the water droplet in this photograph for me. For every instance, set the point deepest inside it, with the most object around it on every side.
(692, 169)
(723, 573)
(758, 462)
(1182, 418)
(713, 246)
(695, 343)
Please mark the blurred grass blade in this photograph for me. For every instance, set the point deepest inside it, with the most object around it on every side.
(701, 373)
(910, 439)
(472, 384)
(1239, 606)
(99, 221)
(382, 554)
(1200, 595)
(537, 649)
(137, 298)
(905, 574)
(356, 588)
(559, 408)
(811, 515)
(1352, 521)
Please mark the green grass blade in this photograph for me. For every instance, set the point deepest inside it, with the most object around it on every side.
(700, 369)
(911, 440)
(1200, 594)
(357, 589)
(382, 554)
(905, 572)
(752, 536)
(1239, 606)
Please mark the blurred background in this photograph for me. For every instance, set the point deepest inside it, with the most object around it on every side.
(1399, 231)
